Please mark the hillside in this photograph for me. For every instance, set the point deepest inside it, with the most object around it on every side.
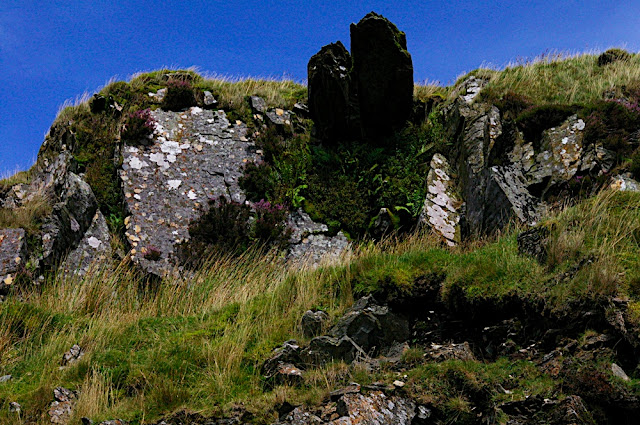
(357, 250)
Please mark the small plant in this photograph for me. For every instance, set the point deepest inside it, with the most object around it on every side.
(138, 126)
(152, 253)
(270, 225)
(613, 55)
(180, 95)
(534, 120)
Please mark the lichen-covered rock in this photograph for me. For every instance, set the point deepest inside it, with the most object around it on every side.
(330, 92)
(12, 255)
(313, 322)
(624, 183)
(507, 195)
(72, 215)
(374, 408)
(62, 406)
(310, 242)
(440, 353)
(195, 155)
(383, 69)
(441, 210)
(561, 154)
(325, 349)
(94, 247)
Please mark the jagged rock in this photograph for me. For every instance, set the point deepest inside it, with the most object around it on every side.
(324, 349)
(94, 247)
(287, 354)
(624, 183)
(310, 242)
(195, 155)
(533, 242)
(73, 355)
(159, 95)
(301, 109)
(441, 210)
(209, 100)
(619, 372)
(258, 104)
(371, 326)
(279, 117)
(383, 69)
(62, 407)
(330, 92)
(6, 378)
(312, 322)
(113, 422)
(507, 195)
(71, 217)
(374, 408)
(440, 353)
(14, 407)
(12, 256)
(561, 153)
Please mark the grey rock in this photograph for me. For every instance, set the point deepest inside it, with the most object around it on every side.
(382, 223)
(258, 104)
(324, 349)
(159, 95)
(114, 422)
(12, 256)
(443, 205)
(571, 410)
(14, 407)
(279, 117)
(288, 354)
(383, 70)
(624, 183)
(330, 93)
(61, 408)
(371, 326)
(71, 217)
(313, 322)
(440, 353)
(619, 372)
(310, 242)
(73, 355)
(195, 155)
(95, 247)
(6, 378)
(507, 195)
(209, 100)
(301, 109)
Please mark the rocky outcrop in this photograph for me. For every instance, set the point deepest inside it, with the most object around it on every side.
(195, 155)
(62, 406)
(443, 206)
(383, 70)
(374, 408)
(310, 242)
(330, 91)
(12, 256)
(94, 247)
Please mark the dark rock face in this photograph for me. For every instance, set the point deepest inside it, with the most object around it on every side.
(12, 255)
(383, 71)
(330, 92)
(532, 242)
(312, 322)
(72, 216)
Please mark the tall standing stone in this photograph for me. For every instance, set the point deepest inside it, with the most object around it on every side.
(330, 92)
(384, 74)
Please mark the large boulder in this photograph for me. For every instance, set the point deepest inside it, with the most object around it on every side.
(383, 70)
(330, 88)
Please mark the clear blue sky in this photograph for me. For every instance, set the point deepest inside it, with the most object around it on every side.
(51, 51)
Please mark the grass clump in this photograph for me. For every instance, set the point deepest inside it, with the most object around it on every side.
(613, 55)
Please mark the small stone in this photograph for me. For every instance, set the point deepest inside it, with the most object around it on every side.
(398, 384)
(617, 371)
(5, 378)
(14, 407)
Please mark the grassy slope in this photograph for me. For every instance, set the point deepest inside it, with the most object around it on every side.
(198, 343)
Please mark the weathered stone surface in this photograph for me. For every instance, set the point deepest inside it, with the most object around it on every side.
(288, 354)
(441, 210)
(71, 217)
(383, 69)
(619, 372)
(324, 349)
(310, 242)
(440, 353)
(624, 183)
(313, 322)
(371, 326)
(374, 408)
(12, 255)
(507, 195)
(330, 92)
(94, 247)
(73, 355)
(62, 407)
(195, 155)
(561, 154)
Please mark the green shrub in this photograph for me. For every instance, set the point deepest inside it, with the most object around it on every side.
(613, 55)
(513, 104)
(612, 123)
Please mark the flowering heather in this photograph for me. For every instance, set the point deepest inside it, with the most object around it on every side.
(631, 105)
(138, 126)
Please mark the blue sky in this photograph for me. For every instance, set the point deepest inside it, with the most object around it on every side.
(52, 51)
